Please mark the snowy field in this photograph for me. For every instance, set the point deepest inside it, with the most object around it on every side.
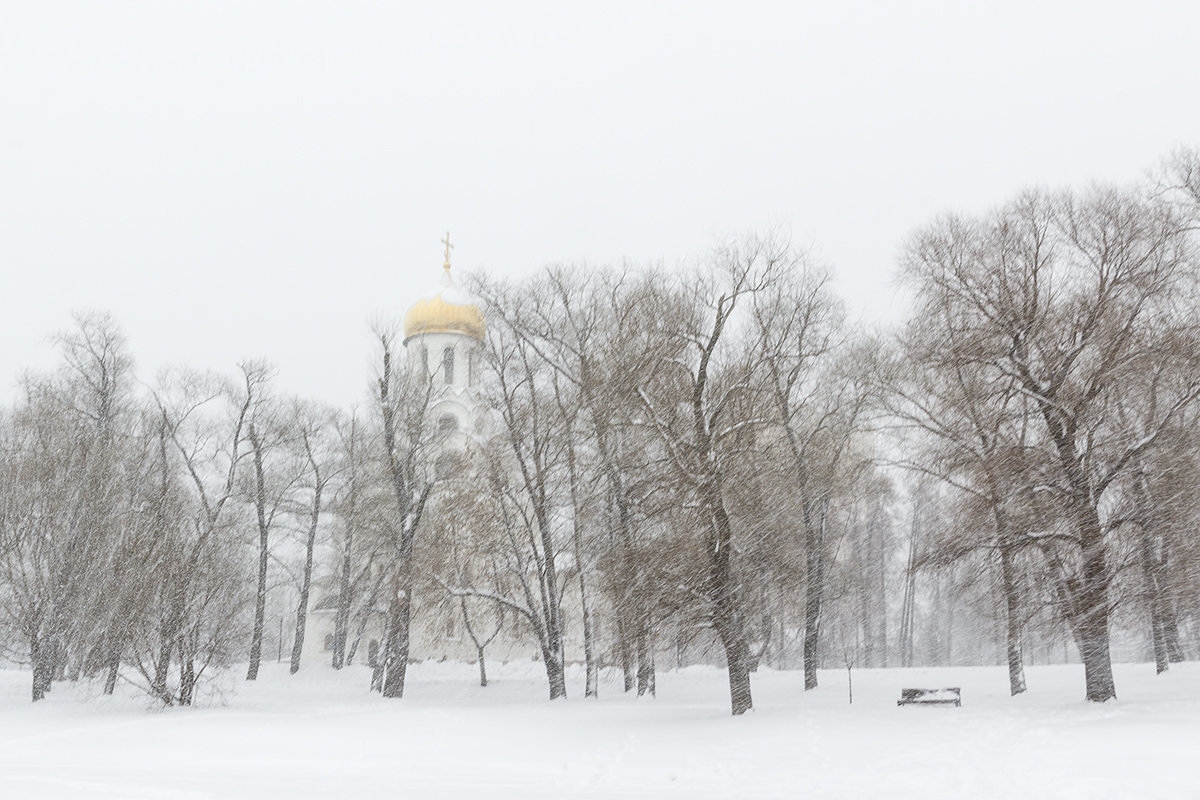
(319, 734)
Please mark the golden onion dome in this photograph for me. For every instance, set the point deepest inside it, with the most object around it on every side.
(446, 310)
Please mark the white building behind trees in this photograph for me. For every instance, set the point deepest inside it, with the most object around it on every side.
(443, 339)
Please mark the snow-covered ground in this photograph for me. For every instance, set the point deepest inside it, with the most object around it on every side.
(320, 734)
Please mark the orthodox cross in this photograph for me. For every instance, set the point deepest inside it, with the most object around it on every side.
(449, 247)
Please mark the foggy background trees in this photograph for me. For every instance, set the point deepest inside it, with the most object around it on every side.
(706, 465)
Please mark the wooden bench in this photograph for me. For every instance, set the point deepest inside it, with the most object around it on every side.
(930, 697)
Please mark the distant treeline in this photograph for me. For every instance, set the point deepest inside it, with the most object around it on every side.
(709, 464)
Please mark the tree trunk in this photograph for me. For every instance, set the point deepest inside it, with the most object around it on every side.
(482, 666)
(1151, 574)
(395, 659)
(1097, 660)
(260, 609)
(592, 681)
(410, 505)
(908, 610)
(363, 620)
(880, 560)
(341, 621)
(553, 646)
(305, 583)
(114, 669)
(377, 673)
(1016, 666)
(1171, 634)
(625, 653)
(1092, 612)
(726, 613)
(480, 644)
(162, 667)
(42, 660)
(301, 621)
(736, 659)
(1154, 598)
(187, 680)
(589, 646)
(555, 674)
(260, 601)
(814, 544)
(645, 668)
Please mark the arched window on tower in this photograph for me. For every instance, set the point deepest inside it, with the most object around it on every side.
(473, 369)
(424, 361)
(448, 365)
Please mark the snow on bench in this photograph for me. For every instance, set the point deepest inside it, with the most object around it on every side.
(930, 697)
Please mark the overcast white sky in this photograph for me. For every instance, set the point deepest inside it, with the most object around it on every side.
(238, 180)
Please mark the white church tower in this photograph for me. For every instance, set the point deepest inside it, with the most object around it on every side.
(443, 333)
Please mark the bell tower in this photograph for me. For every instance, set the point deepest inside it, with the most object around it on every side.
(443, 335)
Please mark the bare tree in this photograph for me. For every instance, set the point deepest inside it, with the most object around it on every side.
(96, 386)
(463, 557)
(979, 441)
(200, 591)
(578, 324)
(273, 477)
(821, 388)
(692, 402)
(315, 428)
(525, 473)
(73, 521)
(403, 405)
(1065, 297)
(1151, 495)
(361, 512)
